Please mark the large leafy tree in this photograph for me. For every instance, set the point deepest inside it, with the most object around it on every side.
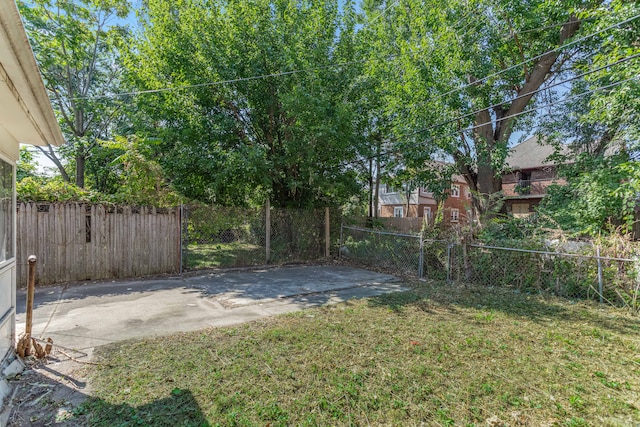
(77, 44)
(278, 123)
(465, 73)
(601, 124)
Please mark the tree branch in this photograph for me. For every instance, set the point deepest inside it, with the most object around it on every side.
(51, 155)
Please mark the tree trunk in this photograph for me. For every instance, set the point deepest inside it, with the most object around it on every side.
(370, 188)
(376, 195)
(490, 135)
(81, 161)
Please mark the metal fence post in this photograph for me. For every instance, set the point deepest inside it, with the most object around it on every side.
(181, 236)
(421, 258)
(341, 241)
(31, 287)
(327, 234)
(600, 287)
(449, 247)
(268, 230)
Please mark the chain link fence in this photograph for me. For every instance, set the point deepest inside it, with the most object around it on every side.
(299, 235)
(585, 275)
(220, 237)
(215, 236)
(407, 254)
(396, 252)
(582, 274)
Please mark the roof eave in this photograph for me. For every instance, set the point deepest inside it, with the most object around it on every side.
(21, 78)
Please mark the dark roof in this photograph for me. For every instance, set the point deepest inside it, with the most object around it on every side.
(530, 154)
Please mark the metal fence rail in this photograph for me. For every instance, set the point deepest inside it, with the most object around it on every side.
(382, 249)
(216, 236)
(585, 276)
(404, 253)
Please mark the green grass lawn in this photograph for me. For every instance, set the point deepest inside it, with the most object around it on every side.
(215, 255)
(437, 355)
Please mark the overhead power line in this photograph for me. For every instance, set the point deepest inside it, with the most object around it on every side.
(557, 49)
(576, 77)
(221, 82)
(561, 101)
(383, 12)
(468, 129)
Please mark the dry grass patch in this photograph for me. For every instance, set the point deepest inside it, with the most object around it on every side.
(437, 355)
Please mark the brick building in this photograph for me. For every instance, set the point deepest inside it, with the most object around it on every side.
(530, 173)
(422, 204)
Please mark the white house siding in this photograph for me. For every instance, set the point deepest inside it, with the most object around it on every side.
(26, 117)
(9, 151)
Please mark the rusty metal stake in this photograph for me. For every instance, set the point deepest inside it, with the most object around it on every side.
(30, 294)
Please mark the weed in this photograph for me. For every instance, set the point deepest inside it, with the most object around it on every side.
(384, 361)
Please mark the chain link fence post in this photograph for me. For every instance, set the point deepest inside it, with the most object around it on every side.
(449, 261)
(421, 258)
(600, 284)
(327, 234)
(181, 246)
(267, 240)
(341, 240)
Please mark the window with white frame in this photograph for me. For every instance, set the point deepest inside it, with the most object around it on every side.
(455, 190)
(398, 211)
(455, 215)
(427, 212)
(468, 193)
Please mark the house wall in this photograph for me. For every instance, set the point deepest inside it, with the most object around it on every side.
(386, 211)
(462, 204)
(421, 198)
(540, 179)
(8, 153)
(521, 207)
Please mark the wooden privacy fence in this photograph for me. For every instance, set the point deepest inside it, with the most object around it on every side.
(89, 242)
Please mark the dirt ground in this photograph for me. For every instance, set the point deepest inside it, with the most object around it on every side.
(50, 392)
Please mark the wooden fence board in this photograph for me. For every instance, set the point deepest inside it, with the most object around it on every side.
(117, 242)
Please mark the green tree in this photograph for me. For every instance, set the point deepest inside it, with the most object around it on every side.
(599, 196)
(139, 180)
(287, 133)
(465, 72)
(26, 166)
(76, 44)
(600, 128)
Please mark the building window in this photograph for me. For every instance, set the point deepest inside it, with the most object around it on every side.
(455, 190)
(455, 215)
(427, 212)
(398, 211)
(468, 193)
(520, 209)
(7, 211)
(389, 189)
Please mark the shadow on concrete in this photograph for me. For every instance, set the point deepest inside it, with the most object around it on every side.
(235, 287)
